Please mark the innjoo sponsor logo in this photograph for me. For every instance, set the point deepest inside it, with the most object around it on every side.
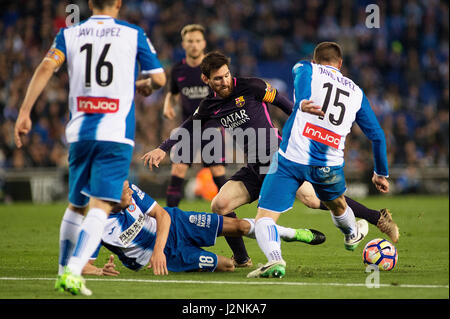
(89, 104)
(321, 135)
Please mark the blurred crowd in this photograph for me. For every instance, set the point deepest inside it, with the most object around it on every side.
(402, 66)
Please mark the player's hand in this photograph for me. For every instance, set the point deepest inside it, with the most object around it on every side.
(144, 87)
(381, 183)
(109, 269)
(158, 263)
(22, 127)
(153, 158)
(308, 106)
(169, 112)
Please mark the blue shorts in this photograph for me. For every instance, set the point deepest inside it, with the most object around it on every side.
(285, 177)
(97, 169)
(188, 232)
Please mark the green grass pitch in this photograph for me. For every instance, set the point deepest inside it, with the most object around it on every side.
(29, 254)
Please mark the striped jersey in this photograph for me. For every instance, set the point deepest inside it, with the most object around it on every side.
(104, 56)
(320, 141)
(131, 233)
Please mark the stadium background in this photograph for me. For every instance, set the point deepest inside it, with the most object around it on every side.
(402, 66)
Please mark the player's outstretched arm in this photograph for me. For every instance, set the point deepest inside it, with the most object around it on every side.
(157, 155)
(38, 82)
(109, 269)
(153, 158)
(158, 260)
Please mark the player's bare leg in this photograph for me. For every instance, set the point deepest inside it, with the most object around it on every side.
(344, 219)
(232, 195)
(307, 196)
(174, 190)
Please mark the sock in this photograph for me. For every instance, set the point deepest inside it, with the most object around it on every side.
(68, 235)
(173, 193)
(361, 211)
(237, 245)
(219, 181)
(251, 232)
(268, 238)
(286, 232)
(346, 222)
(88, 239)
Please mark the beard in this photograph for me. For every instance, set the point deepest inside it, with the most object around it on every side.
(195, 55)
(224, 91)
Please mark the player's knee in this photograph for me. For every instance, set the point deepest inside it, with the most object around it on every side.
(219, 205)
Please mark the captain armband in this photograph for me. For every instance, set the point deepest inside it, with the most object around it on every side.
(271, 92)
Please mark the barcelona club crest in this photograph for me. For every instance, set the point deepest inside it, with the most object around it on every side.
(240, 101)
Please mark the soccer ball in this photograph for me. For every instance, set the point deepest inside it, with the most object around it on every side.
(380, 252)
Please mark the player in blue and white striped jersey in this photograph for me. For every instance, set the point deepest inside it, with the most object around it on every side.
(104, 57)
(137, 223)
(312, 150)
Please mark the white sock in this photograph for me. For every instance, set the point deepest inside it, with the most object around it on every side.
(286, 232)
(251, 232)
(68, 235)
(88, 240)
(346, 222)
(268, 238)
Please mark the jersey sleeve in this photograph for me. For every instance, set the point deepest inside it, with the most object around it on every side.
(146, 55)
(266, 93)
(302, 75)
(143, 201)
(262, 90)
(367, 121)
(57, 52)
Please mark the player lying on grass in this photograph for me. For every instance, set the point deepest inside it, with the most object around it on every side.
(137, 227)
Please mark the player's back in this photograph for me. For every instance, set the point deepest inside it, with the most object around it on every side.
(102, 56)
(315, 140)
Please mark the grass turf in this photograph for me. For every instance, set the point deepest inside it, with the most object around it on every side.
(29, 254)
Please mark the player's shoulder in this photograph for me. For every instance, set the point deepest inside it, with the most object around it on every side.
(128, 25)
(302, 66)
(178, 66)
(243, 83)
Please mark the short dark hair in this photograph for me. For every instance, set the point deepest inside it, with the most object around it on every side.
(213, 61)
(102, 4)
(327, 52)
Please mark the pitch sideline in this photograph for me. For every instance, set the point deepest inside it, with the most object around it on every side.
(215, 282)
